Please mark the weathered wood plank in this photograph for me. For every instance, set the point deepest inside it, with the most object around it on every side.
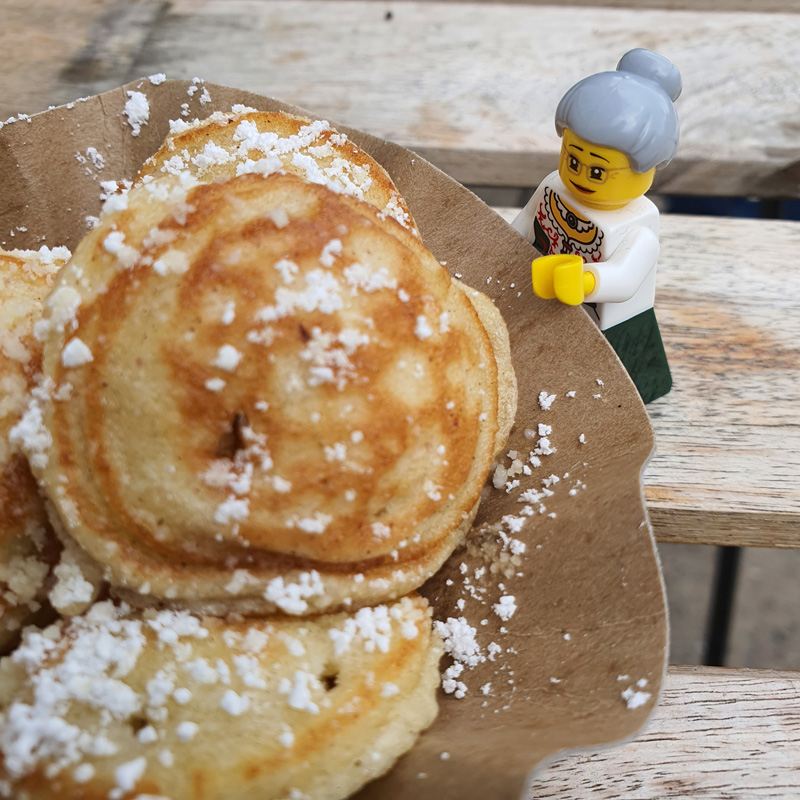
(114, 41)
(781, 6)
(37, 40)
(473, 87)
(54, 52)
(731, 734)
(728, 434)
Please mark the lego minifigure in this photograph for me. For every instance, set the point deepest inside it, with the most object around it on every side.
(590, 219)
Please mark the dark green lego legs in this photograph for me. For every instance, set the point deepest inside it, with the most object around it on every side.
(637, 342)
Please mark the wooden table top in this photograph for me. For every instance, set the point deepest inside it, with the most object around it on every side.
(470, 86)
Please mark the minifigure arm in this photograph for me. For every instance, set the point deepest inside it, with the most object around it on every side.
(523, 222)
(619, 277)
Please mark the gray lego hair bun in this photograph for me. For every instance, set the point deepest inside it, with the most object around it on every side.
(630, 110)
(654, 67)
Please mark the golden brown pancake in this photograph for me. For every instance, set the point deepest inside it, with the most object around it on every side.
(119, 703)
(281, 401)
(495, 327)
(27, 545)
(232, 143)
(261, 142)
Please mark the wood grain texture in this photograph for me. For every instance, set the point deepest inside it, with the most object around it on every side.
(37, 40)
(113, 43)
(781, 6)
(473, 87)
(728, 434)
(732, 734)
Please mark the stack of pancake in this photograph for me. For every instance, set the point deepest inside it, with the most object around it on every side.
(28, 547)
(266, 416)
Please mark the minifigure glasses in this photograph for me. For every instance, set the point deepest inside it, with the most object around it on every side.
(610, 181)
(595, 173)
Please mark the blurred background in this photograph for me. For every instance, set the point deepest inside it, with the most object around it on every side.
(57, 50)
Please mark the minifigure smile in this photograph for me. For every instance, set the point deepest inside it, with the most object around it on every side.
(582, 188)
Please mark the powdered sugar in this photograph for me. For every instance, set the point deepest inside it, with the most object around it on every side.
(299, 692)
(422, 330)
(546, 400)
(71, 591)
(137, 110)
(371, 626)
(32, 435)
(114, 243)
(634, 699)
(227, 358)
(315, 524)
(460, 640)
(506, 608)
(127, 776)
(76, 353)
(235, 704)
(292, 596)
(105, 650)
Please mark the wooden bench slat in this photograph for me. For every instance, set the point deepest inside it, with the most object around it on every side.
(728, 434)
(782, 6)
(39, 40)
(473, 87)
(716, 733)
(728, 437)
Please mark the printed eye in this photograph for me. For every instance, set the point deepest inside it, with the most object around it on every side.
(574, 165)
(597, 174)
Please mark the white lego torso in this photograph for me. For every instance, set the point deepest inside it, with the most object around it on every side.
(619, 246)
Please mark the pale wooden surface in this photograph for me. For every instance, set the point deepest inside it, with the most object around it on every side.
(728, 440)
(37, 41)
(732, 734)
(782, 6)
(471, 86)
(728, 434)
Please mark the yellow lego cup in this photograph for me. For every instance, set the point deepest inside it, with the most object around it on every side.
(561, 276)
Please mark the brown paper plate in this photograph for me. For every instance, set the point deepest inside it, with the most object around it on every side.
(580, 662)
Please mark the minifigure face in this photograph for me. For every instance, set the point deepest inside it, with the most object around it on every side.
(599, 176)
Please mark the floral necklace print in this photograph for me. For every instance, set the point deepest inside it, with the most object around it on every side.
(560, 229)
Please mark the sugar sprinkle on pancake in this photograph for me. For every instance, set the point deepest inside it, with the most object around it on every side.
(27, 545)
(119, 703)
(281, 402)
(230, 144)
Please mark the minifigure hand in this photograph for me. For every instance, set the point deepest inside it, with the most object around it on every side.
(543, 270)
(562, 276)
(571, 283)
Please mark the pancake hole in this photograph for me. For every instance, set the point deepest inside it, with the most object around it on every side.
(304, 334)
(233, 440)
(329, 678)
(137, 722)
